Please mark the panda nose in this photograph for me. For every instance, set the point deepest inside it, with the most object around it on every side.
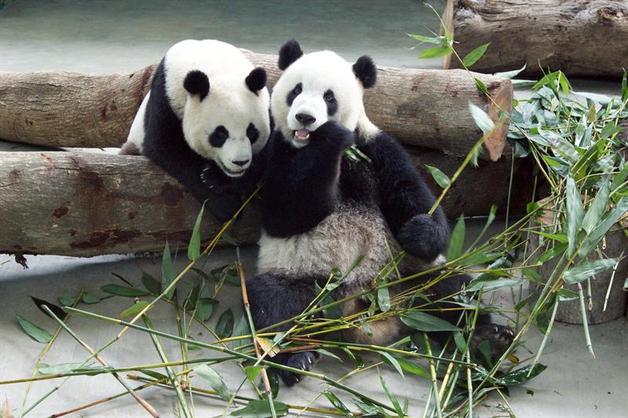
(241, 163)
(305, 119)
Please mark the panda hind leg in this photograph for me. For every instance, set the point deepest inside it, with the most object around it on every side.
(275, 298)
(499, 337)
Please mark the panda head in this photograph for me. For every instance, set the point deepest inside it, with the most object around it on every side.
(226, 119)
(319, 87)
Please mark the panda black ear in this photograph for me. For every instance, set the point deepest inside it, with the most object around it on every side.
(196, 82)
(366, 71)
(289, 53)
(256, 80)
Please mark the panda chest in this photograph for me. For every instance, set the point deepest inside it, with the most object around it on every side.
(352, 238)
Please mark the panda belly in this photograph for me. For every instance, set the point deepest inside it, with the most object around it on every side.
(134, 144)
(352, 233)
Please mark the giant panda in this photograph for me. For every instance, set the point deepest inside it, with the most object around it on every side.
(321, 211)
(204, 120)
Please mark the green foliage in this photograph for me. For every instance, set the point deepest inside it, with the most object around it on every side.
(35, 332)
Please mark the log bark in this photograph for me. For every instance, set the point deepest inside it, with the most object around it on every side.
(426, 108)
(86, 203)
(585, 38)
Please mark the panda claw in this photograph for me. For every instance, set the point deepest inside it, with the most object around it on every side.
(304, 361)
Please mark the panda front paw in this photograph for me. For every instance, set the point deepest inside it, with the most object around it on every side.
(335, 135)
(423, 237)
(303, 361)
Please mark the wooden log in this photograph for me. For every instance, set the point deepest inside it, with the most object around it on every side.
(426, 108)
(87, 203)
(581, 38)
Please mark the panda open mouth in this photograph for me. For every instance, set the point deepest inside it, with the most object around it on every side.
(231, 173)
(301, 135)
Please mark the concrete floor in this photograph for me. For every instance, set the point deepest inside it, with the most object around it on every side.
(119, 36)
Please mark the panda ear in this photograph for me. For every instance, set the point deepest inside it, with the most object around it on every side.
(256, 80)
(366, 71)
(196, 82)
(289, 53)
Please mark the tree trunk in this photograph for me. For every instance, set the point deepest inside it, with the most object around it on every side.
(426, 108)
(586, 38)
(85, 204)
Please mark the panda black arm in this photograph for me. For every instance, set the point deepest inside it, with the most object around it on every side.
(405, 199)
(301, 184)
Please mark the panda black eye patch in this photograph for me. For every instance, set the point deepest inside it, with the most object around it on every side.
(252, 133)
(219, 136)
(331, 102)
(294, 93)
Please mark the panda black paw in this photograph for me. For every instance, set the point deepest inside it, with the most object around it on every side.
(335, 134)
(304, 361)
(498, 337)
(423, 237)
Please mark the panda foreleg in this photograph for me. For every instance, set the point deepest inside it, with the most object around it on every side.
(405, 200)
(276, 298)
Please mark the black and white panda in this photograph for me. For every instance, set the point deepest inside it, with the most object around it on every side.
(321, 211)
(204, 120)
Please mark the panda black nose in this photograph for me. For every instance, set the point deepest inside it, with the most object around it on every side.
(305, 119)
(241, 163)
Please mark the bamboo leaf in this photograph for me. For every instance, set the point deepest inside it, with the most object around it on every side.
(393, 398)
(60, 313)
(151, 284)
(337, 403)
(133, 310)
(252, 372)
(383, 299)
(490, 285)
(587, 269)
(436, 52)
(36, 333)
(260, 408)
(224, 328)
(426, 39)
(480, 85)
(167, 271)
(89, 298)
(194, 247)
(439, 177)
(66, 300)
(425, 322)
(118, 290)
(575, 213)
(474, 56)
(596, 235)
(215, 381)
(597, 208)
(456, 241)
(481, 118)
(60, 368)
(392, 361)
(510, 74)
(412, 368)
(522, 375)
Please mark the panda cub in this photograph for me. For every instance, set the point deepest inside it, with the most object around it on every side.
(321, 211)
(204, 120)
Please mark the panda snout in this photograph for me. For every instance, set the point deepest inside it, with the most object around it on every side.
(240, 163)
(305, 118)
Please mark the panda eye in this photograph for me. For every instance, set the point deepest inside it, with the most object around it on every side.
(329, 96)
(219, 137)
(252, 133)
(294, 93)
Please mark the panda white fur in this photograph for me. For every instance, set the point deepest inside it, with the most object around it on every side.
(321, 211)
(204, 120)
